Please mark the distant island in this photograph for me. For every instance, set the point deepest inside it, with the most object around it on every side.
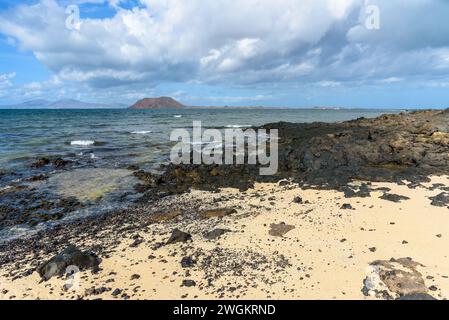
(158, 103)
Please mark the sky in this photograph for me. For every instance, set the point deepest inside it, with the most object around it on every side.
(290, 53)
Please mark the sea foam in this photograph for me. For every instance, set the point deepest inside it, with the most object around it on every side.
(82, 143)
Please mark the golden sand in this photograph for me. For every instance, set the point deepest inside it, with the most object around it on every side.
(325, 256)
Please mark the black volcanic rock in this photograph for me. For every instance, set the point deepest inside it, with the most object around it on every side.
(158, 103)
(179, 236)
(389, 148)
(40, 163)
(71, 256)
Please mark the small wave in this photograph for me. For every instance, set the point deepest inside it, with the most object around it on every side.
(140, 132)
(83, 143)
(5, 188)
(178, 116)
(236, 126)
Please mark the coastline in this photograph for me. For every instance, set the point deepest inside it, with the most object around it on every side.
(353, 202)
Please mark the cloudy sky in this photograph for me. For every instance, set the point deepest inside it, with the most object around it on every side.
(296, 53)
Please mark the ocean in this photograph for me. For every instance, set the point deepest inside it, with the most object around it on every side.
(102, 144)
(115, 137)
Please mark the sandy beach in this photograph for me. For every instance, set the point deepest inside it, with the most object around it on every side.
(281, 242)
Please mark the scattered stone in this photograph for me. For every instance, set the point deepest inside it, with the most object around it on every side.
(215, 234)
(219, 213)
(60, 163)
(298, 200)
(71, 256)
(116, 292)
(40, 177)
(40, 163)
(440, 200)
(393, 279)
(156, 246)
(279, 230)
(393, 197)
(179, 236)
(364, 191)
(133, 167)
(373, 249)
(187, 262)
(136, 242)
(135, 277)
(347, 206)
(188, 283)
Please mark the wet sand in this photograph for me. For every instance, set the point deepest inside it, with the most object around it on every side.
(325, 254)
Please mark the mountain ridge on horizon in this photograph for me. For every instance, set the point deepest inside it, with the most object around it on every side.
(61, 104)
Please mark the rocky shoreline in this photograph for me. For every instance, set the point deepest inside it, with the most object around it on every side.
(393, 150)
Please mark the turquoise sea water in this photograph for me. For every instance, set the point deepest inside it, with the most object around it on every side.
(126, 136)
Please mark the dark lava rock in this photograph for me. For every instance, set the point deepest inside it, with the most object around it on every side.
(214, 234)
(96, 291)
(279, 230)
(417, 296)
(135, 277)
(219, 213)
(40, 177)
(441, 200)
(151, 180)
(364, 191)
(393, 197)
(392, 147)
(116, 292)
(133, 167)
(71, 256)
(297, 200)
(188, 283)
(136, 243)
(60, 163)
(347, 206)
(40, 163)
(179, 236)
(187, 262)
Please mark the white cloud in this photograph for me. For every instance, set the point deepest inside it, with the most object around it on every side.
(329, 84)
(5, 79)
(6, 82)
(236, 42)
(391, 80)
